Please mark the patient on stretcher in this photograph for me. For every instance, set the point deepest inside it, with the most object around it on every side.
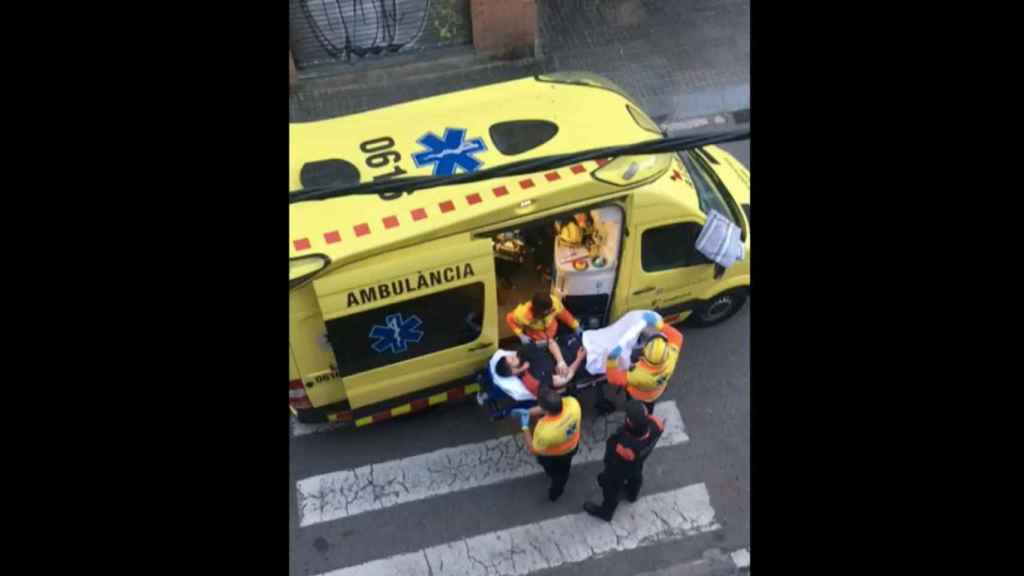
(530, 368)
(519, 374)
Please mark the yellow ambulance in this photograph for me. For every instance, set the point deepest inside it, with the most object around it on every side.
(398, 299)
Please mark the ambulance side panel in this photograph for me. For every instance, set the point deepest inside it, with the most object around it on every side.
(411, 319)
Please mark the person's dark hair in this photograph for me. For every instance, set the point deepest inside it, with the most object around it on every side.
(550, 401)
(502, 368)
(541, 303)
(636, 417)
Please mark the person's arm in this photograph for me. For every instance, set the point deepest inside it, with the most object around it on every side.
(510, 319)
(613, 469)
(568, 319)
(528, 438)
(524, 417)
(556, 351)
(616, 376)
(581, 355)
(657, 426)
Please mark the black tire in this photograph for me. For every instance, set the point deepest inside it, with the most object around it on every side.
(719, 309)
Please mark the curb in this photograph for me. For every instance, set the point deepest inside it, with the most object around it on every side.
(713, 562)
(722, 119)
(415, 68)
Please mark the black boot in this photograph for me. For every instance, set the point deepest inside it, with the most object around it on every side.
(596, 511)
(555, 494)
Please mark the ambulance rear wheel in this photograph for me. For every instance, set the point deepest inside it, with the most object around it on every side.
(719, 309)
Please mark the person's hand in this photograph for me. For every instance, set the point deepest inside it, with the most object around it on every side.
(524, 339)
(581, 353)
(524, 417)
(615, 353)
(562, 368)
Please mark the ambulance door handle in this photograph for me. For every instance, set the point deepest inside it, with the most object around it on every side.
(480, 346)
(644, 290)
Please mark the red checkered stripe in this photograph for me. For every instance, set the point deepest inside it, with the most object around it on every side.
(445, 206)
(416, 405)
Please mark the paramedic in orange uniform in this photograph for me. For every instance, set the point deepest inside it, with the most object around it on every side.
(647, 379)
(536, 322)
(556, 437)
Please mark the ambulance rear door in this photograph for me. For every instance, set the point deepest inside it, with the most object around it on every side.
(412, 319)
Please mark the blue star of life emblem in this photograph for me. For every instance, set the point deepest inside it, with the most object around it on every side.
(396, 333)
(449, 153)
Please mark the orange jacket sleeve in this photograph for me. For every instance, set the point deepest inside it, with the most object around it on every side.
(616, 376)
(675, 337)
(510, 319)
(551, 329)
(568, 319)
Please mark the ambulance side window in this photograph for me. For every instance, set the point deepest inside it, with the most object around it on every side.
(406, 330)
(672, 246)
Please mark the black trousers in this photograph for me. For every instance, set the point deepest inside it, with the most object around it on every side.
(613, 487)
(557, 468)
(602, 399)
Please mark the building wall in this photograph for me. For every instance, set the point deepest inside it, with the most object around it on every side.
(330, 31)
(504, 28)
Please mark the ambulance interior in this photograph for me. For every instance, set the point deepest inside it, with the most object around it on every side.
(575, 256)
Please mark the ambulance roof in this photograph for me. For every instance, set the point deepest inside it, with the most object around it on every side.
(456, 132)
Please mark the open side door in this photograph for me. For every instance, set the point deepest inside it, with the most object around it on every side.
(670, 273)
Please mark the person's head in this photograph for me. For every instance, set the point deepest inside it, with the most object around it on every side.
(541, 304)
(656, 350)
(510, 365)
(550, 401)
(636, 417)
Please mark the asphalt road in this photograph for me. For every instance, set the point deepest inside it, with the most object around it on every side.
(711, 388)
(741, 150)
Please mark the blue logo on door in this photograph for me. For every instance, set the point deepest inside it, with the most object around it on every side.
(396, 333)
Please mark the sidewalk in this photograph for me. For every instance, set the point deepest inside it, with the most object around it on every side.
(681, 59)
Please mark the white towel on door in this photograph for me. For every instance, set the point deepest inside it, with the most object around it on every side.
(720, 241)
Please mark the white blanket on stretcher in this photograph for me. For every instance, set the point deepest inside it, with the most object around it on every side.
(625, 332)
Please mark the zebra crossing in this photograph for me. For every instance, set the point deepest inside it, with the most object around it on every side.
(447, 474)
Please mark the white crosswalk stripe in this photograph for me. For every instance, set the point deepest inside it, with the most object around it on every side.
(741, 557)
(568, 539)
(373, 487)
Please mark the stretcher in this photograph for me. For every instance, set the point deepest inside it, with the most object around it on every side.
(501, 395)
